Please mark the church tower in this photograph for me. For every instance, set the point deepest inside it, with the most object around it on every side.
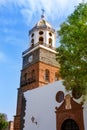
(39, 63)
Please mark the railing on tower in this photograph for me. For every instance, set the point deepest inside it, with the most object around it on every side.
(37, 44)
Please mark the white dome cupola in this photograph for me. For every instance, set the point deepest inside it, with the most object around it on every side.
(42, 33)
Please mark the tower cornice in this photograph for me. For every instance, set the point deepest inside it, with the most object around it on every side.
(44, 46)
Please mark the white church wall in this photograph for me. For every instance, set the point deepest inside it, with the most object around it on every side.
(40, 104)
(85, 115)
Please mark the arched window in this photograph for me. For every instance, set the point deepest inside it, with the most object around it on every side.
(33, 74)
(25, 76)
(32, 42)
(56, 76)
(41, 40)
(50, 42)
(47, 75)
(32, 35)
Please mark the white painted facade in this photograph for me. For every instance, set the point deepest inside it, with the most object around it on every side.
(45, 37)
(40, 104)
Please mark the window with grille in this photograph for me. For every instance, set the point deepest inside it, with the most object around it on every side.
(47, 75)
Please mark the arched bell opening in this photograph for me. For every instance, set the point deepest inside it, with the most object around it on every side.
(41, 40)
(50, 42)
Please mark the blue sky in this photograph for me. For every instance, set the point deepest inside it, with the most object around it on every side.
(17, 17)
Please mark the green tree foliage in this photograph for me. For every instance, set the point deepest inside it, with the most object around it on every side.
(72, 53)
(3, 121)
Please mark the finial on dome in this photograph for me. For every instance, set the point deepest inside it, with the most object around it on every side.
(42, 16)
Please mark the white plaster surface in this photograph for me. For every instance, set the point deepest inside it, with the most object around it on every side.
(40, 104)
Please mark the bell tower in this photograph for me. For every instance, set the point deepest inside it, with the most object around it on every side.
(39, 63)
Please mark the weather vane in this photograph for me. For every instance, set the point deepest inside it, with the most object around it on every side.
(42, 16)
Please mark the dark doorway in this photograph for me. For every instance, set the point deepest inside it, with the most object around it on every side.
(69, 124)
